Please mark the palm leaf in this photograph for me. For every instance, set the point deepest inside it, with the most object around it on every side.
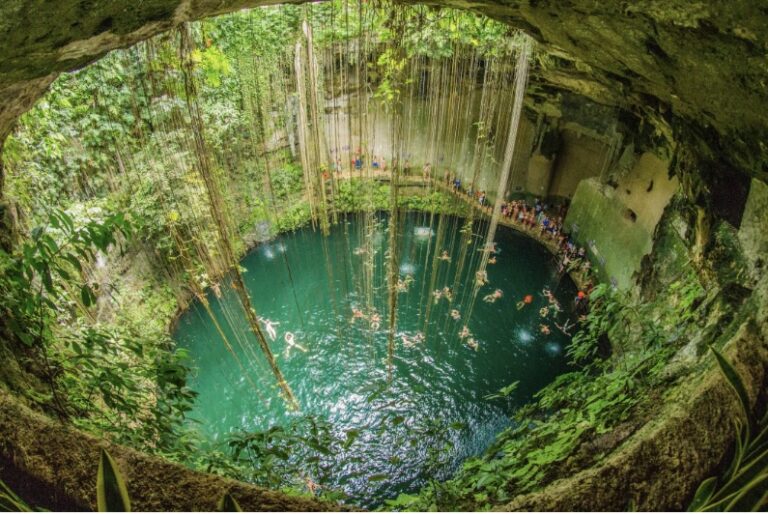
(10, 501)
(751, 495)
(737, 384)
(111, 493)
(227, 503)
(703, 494)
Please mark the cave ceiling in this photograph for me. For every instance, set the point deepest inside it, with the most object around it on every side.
(695, 69)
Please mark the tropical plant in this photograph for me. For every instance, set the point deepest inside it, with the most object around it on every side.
(743, 487)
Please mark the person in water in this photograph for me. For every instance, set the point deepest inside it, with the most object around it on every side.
(544, 312)
(481, 277)
(269, 326)
(357, 314)
(492, 260)
(544, 329)
(465, 332)
(472, 343)
(437, 294)
(375, 321)
(448, 293)
(527, 300)
(455, 314)
(290, 340)
(444, 256)
(565, 328)
(491, 298)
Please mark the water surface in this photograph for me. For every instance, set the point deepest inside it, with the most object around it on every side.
(433, 413)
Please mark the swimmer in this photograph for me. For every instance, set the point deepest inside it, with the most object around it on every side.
(550, 297)
(357, 314)
(418, 337)
(565, 328)
(290, 340)
(437, 294)
(444, 256)
(455, 314)
(472, 343)
(492, 260)
(544, 329)
(448, 293)
(375, 321)
(544, 312)
(465, 332)
(491, 247)
(490, 298)
(525, 301)
(481, 277)
(407, 341)
(402, 286)
(269, 326)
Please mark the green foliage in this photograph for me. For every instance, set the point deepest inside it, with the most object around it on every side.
(504, 392)
(285, 457)
(229, 504)
(435, 202)
(10, 501)
(287, 181)
(294, 217)
(361, 195)
(744, 485)
(549, 435)
(111, 493)
(47, 261)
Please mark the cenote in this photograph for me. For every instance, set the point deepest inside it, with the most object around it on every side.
(385, 435)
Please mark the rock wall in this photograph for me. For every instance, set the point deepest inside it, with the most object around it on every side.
(660, 466)
(56, 465)
(580, 157)
(617, 223)
(698, 67)
(753, 233)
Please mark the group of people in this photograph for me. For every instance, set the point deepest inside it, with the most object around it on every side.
(549, 220)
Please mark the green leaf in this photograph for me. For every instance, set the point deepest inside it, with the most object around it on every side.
(742, 501)
(703, 494)
(111, 493)
(398, 420)
(10, 502)
(352, 435)
(737, 384)
(85, 295)
(228, 504)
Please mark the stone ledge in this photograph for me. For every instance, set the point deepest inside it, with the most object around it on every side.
(58, 463)
(660, 467)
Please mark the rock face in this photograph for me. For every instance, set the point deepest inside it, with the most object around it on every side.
(698, 67)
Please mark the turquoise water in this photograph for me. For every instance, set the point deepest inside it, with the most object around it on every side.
(433, 413)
